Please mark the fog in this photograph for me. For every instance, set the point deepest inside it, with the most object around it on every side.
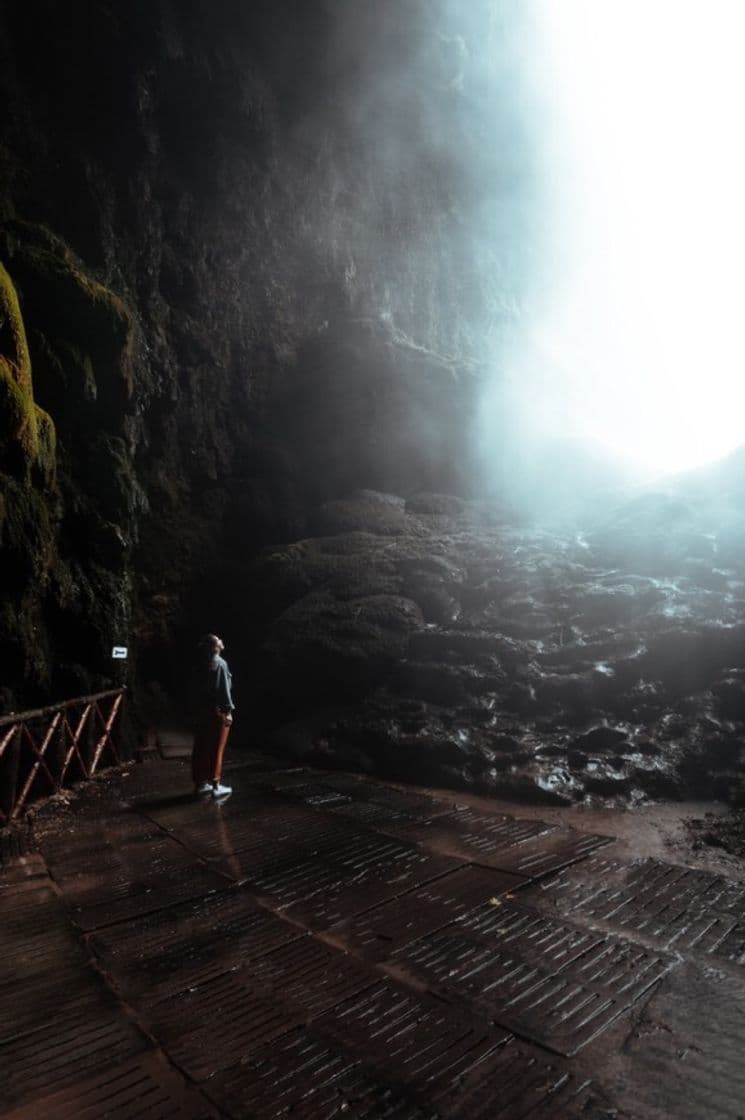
(627, 354)
(549, 193)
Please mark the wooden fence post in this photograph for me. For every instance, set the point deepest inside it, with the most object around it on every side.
(9, 768)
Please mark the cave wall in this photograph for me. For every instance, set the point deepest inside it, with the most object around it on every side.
(251, 262)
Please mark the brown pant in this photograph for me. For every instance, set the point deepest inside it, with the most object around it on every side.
(210, 736)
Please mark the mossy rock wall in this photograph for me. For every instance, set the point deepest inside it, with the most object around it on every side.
(70, 497)
(27, 434)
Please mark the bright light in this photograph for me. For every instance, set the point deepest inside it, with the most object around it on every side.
(638, 341)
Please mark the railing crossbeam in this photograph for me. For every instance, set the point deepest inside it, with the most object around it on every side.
(38, 764)
(106, 736)
(74, 748)
(26, 738)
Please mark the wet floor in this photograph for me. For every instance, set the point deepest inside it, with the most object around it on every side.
(323, 945)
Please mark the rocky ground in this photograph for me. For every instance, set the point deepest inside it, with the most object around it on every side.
(441, 641)
(724, 833)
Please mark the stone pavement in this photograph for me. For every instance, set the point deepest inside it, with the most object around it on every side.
(324, 945)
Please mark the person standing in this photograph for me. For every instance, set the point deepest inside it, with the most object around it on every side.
(213, 717)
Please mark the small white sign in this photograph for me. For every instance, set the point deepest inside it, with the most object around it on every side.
(119, 653)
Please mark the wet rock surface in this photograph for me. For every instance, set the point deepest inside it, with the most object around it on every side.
(436, 640)
(724, 833)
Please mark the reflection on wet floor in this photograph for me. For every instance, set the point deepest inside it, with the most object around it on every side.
(323, 945)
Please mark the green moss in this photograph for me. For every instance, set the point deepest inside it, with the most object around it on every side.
(12, 332)
(80, 314)
(46, 458)
(64, 547)
(24, 426)
(28, 532)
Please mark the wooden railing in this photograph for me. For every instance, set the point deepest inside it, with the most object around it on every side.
(43, 750)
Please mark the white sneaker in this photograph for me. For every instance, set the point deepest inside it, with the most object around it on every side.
(221, 791)
(203, 790)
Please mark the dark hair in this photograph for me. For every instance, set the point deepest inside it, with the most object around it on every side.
(207, 647)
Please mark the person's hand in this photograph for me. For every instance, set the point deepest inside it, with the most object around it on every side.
(228, 718)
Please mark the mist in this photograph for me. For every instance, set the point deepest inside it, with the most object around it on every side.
(559, 189)
(626, 360)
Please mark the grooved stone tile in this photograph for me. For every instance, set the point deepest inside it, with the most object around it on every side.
(182, 946)
(677, 908)
(307, 1077)
(147, 897)
(346, 874)
(65, 1050)
(221, 1022)
(473, 835)
(464, 1076)
(145, 1089)
(35, 935)
(524, 847)
(553, 983)
(377, 932)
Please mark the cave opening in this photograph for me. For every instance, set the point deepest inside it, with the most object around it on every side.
(627, 355)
